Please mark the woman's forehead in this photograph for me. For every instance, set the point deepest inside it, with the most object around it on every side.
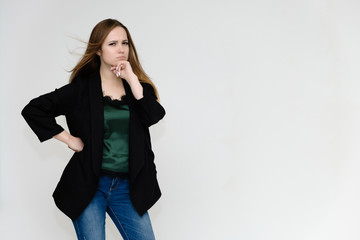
(117, 33)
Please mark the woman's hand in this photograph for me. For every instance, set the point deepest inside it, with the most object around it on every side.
(123, 70)
(75, 144)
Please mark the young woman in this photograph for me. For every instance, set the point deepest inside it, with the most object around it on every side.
(109, 105)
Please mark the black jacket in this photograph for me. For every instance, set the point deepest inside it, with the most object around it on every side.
(81, 103)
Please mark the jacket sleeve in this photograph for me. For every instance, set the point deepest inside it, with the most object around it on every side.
(40, 112)
(149, 109)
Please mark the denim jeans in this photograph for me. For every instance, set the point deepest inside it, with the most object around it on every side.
(113, 197)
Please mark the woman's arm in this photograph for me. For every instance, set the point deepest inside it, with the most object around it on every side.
(40, 112)
(136, 88)
(148, 108)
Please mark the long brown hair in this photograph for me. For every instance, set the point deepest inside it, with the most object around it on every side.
(90, 61)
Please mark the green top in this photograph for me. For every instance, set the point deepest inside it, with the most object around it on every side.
(116, 136)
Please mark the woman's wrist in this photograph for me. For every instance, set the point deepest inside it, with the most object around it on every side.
(64, 137)
(135, 86)
(133, 79)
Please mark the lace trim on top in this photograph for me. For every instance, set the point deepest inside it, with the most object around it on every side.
(115, 101)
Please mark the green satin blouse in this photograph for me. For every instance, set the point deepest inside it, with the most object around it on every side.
(116, 136)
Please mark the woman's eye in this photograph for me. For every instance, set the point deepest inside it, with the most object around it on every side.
(126, 43)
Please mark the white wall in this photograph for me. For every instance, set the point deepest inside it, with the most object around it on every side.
(261, 138)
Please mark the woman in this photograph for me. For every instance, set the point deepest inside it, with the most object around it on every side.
(109, 105)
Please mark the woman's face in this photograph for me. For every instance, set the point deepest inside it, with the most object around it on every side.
(115, 47)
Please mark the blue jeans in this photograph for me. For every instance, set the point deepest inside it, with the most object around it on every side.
(113, 197)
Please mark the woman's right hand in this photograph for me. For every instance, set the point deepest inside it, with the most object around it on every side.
(75, 144)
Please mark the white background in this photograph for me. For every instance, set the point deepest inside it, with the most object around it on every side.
(262, 132)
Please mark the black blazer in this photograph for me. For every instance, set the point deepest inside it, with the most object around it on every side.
(81, 103)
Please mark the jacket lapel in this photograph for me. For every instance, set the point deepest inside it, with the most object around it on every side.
(136, 136)
(97, 121)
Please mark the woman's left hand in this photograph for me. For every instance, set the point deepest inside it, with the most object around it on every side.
(123, 69)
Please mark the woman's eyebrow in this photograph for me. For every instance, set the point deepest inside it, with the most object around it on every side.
(117, 41)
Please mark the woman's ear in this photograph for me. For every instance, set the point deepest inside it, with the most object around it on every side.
(98, 52)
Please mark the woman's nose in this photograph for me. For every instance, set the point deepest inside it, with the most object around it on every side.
(120, 48)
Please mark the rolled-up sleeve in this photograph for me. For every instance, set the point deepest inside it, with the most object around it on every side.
(40, 112)
(148, 108)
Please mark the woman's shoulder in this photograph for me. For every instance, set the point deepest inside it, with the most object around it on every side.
(73, 88)
(147, 86)
(79, 80)
(79, 83)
